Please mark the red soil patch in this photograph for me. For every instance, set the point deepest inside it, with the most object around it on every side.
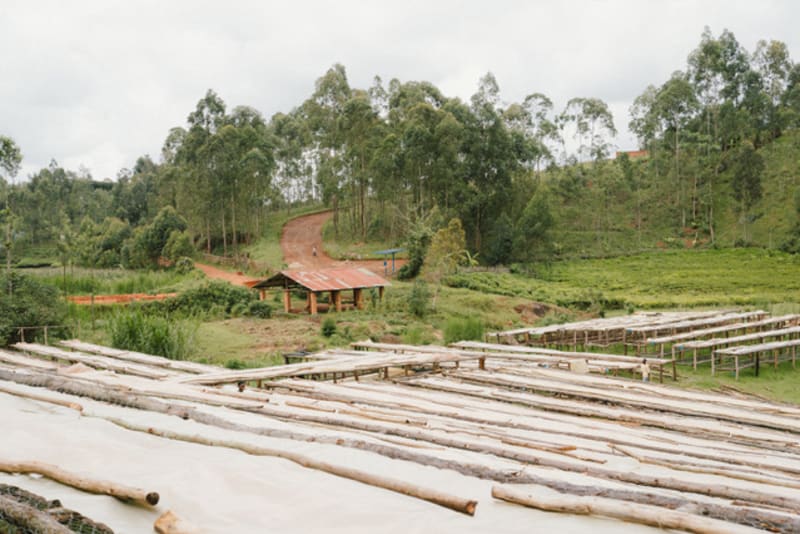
(237, 279)
(119, 299)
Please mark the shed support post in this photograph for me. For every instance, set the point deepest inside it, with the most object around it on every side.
(358, 298)
(312, 303)
(287, 301)
(262, 294)
(336, 300)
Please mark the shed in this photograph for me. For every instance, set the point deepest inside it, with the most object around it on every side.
(322, 281)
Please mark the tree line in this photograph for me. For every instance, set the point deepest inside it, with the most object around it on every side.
(396, 161)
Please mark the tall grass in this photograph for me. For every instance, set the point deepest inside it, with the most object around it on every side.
(463, 329)
(132, 329)
(113, 281)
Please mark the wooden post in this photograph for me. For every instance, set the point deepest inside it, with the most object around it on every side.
(336, 300)
(262, 294)
(482, 363)
(287, 301)
(358, 298)
(312, 303)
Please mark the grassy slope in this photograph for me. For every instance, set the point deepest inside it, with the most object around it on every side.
(668, 279)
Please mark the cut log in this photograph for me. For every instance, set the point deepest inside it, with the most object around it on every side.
(41, 398)
(102, 487)
(107, 394)
(635, 513)
(170, 523)
(465, 506)
(750, 516)
(31, 519)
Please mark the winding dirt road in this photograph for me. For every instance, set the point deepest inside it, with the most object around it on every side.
(302, 235)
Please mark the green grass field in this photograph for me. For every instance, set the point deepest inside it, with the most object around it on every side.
(668, 279)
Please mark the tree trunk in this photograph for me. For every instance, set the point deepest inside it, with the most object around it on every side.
(101, 487)
(466, 506)
(636, 513)
(224, 235)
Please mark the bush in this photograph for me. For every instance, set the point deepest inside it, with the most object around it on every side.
(466, 329)
(178, 246)
(328, 327)
(419, 299)
(29, 303)
(184, 265)
(220, 296)
(134, 330)
(260, 309)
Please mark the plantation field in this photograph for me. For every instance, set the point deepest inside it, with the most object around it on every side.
(667, 279)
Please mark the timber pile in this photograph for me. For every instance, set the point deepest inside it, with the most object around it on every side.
(540, 437)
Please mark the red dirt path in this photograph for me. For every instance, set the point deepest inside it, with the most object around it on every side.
(236, 279)
(302, 234)
(118, 299)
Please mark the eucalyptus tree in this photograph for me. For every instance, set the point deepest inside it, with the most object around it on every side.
(10, 161)
(774, 65)
(489, 161)
(322, 112)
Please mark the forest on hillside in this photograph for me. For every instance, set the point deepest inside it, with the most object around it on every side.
(396, 161)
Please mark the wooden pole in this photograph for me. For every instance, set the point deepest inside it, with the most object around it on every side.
(124, 493)
(745, 515)
(625, 511)
(465, 506)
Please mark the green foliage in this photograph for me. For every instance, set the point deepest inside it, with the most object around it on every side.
(417, 245)
(447, 250)
(328, 326)
(419, 299)
(212, 297)
(184, 265)
(260, 309)
(133, 329)
(500, 247)
(463, 329)
(178, 245)
(668, 279)
(25, 301)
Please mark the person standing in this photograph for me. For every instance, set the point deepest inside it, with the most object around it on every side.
(645, 369)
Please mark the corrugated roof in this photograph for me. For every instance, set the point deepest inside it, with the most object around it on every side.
(326, 279)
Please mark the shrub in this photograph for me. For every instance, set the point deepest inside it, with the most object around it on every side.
(178, 246)
(328, 326)
(184, 265)
(134, 330)
(29, 303)
(260, 309)
(212, 296)
(419, 299)
(466, 329)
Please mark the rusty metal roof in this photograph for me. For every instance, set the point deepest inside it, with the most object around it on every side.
(325, 279)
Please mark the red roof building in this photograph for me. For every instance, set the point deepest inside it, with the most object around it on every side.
(322, 281)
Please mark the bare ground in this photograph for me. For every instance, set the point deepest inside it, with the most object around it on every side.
(302, 235)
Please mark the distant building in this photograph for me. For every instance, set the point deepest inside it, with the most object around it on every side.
(634, 154)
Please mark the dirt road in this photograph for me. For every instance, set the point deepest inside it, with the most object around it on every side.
(302, 235)
(218, 274)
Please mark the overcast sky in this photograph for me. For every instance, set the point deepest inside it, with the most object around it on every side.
(100, 83)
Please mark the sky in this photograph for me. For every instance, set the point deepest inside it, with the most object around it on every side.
(95, 84)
